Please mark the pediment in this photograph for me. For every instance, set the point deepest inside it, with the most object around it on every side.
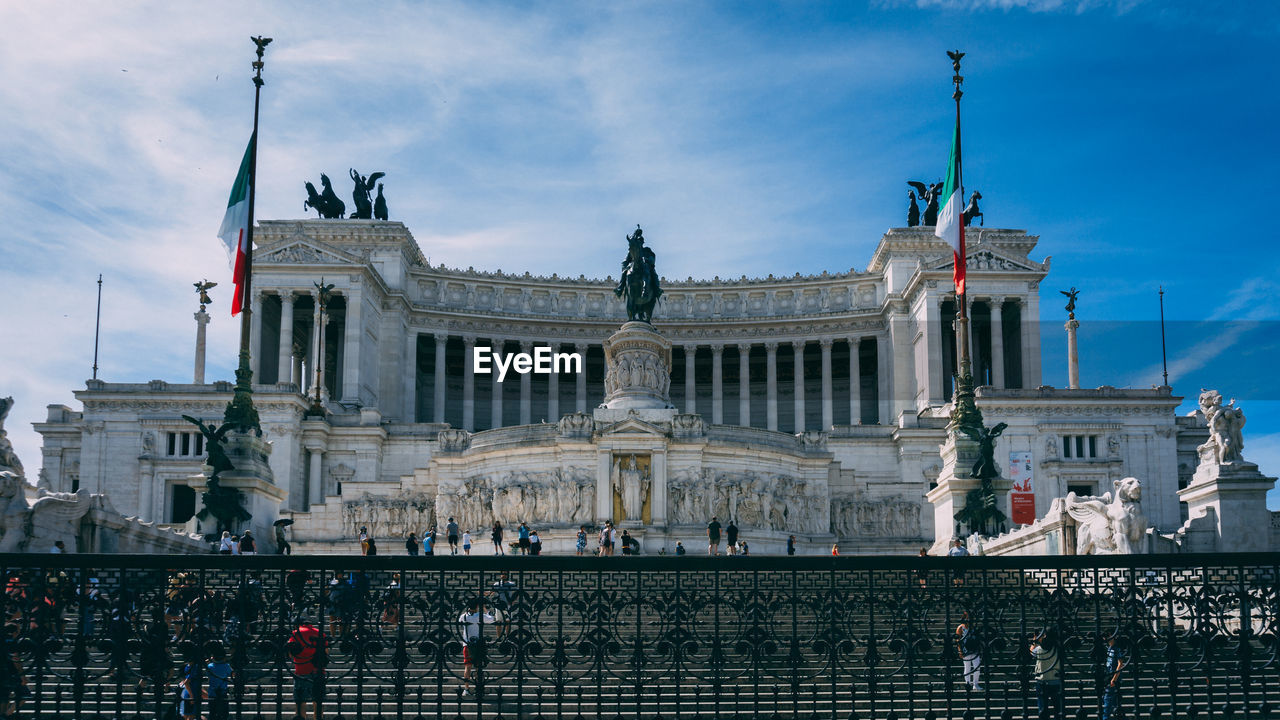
(633, 426)
(301, 250)
(985, 258)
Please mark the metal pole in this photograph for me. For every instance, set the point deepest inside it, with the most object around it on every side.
(1164, 357)
(97, 326)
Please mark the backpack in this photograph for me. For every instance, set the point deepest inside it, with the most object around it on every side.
(970, 644)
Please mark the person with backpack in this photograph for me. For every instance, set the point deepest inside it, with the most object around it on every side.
(306, 648)
(970, 648)
(472, 620)
(1048, 676)
(219, 675)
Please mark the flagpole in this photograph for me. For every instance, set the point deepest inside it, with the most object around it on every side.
(965, 411)
(97, 322)
(1164, 356)
(240, 410)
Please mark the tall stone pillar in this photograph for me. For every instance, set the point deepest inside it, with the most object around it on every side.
(286, 338)
(797, 349)
(717, 384)
(409, 408)
(855, 382)
(438, 410)
(202, 319)
(997, 342)
(1031, 321)
(495, 401)
(315, 480)
(526, 389)
(658, 489)
(299, 378)
(317, 348)
(771, 384)
(1073, 354)
(581, 381)
(553, 388)
(828, 407)
(690, 382)
(933, 343)
(468, 385)
(352, 336)
(744, 384)
(884, 379)
(255, 336)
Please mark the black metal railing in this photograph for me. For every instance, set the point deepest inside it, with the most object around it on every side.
(106, 636)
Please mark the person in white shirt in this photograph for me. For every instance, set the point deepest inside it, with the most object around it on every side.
(466, 542)
(227, 545)
(473, 622)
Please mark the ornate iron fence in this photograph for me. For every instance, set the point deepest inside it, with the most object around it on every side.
(102, 636)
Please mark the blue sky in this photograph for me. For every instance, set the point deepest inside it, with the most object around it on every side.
(1136, 138)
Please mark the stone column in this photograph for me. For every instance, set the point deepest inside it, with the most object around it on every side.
(315, 480)
(438, 410)
(351, 347)
(1031, 321)
(495, 402)
(1073, 354)
(797, 350)
(717, 384)
(286, 338)
(771, 384)
(997, 342)
(468, 385)
(884, 376)
(255, 336)
(658, 489)
(828, 406)
(581, 389)
(526, 389)
(744, 385)
(855, 382)
(690, 386)
(934, 347)
(409, 407)
(299, 378)
(202, 319)
(553, 388)
(317, 350)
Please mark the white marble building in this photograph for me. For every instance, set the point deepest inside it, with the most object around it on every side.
(805, 405)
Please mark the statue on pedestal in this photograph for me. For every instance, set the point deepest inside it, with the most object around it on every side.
(633, 486)
(980, 513)
(1107, 525)
(913, 209)
(639, 283)
(930, 194)
(362, 194)
(1226, 424)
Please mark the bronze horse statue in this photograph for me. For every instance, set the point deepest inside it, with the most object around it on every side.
(326, 203)
(639, 282)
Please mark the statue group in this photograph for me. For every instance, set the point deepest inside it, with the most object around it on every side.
(930, 194)
(366, 206)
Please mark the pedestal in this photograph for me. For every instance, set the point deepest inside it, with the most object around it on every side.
(252, 476)
(1234, 498)
(949, 496)
(638, 375)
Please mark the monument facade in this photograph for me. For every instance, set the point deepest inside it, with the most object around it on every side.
(813, 406)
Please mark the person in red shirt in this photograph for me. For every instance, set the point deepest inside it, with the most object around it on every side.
(306, 648)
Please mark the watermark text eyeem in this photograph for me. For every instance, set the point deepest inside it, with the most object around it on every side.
(543, 361)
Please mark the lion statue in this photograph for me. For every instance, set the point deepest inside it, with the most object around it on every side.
(1107, 525)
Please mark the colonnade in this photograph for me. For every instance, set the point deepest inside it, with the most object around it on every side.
(445, 387)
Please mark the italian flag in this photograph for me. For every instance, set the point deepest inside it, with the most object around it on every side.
(950, 225)
(235, 226)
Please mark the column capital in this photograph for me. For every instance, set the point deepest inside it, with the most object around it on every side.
(826, 344)
(258, 294)
(287, 296)
(771, 346)
(995, 301)
(855, 340)
(440, 336)
(469, 340)
(798, 345)
(526, 345)
(744, 348)
(581, 347)
(717, 349)
(690, 347)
